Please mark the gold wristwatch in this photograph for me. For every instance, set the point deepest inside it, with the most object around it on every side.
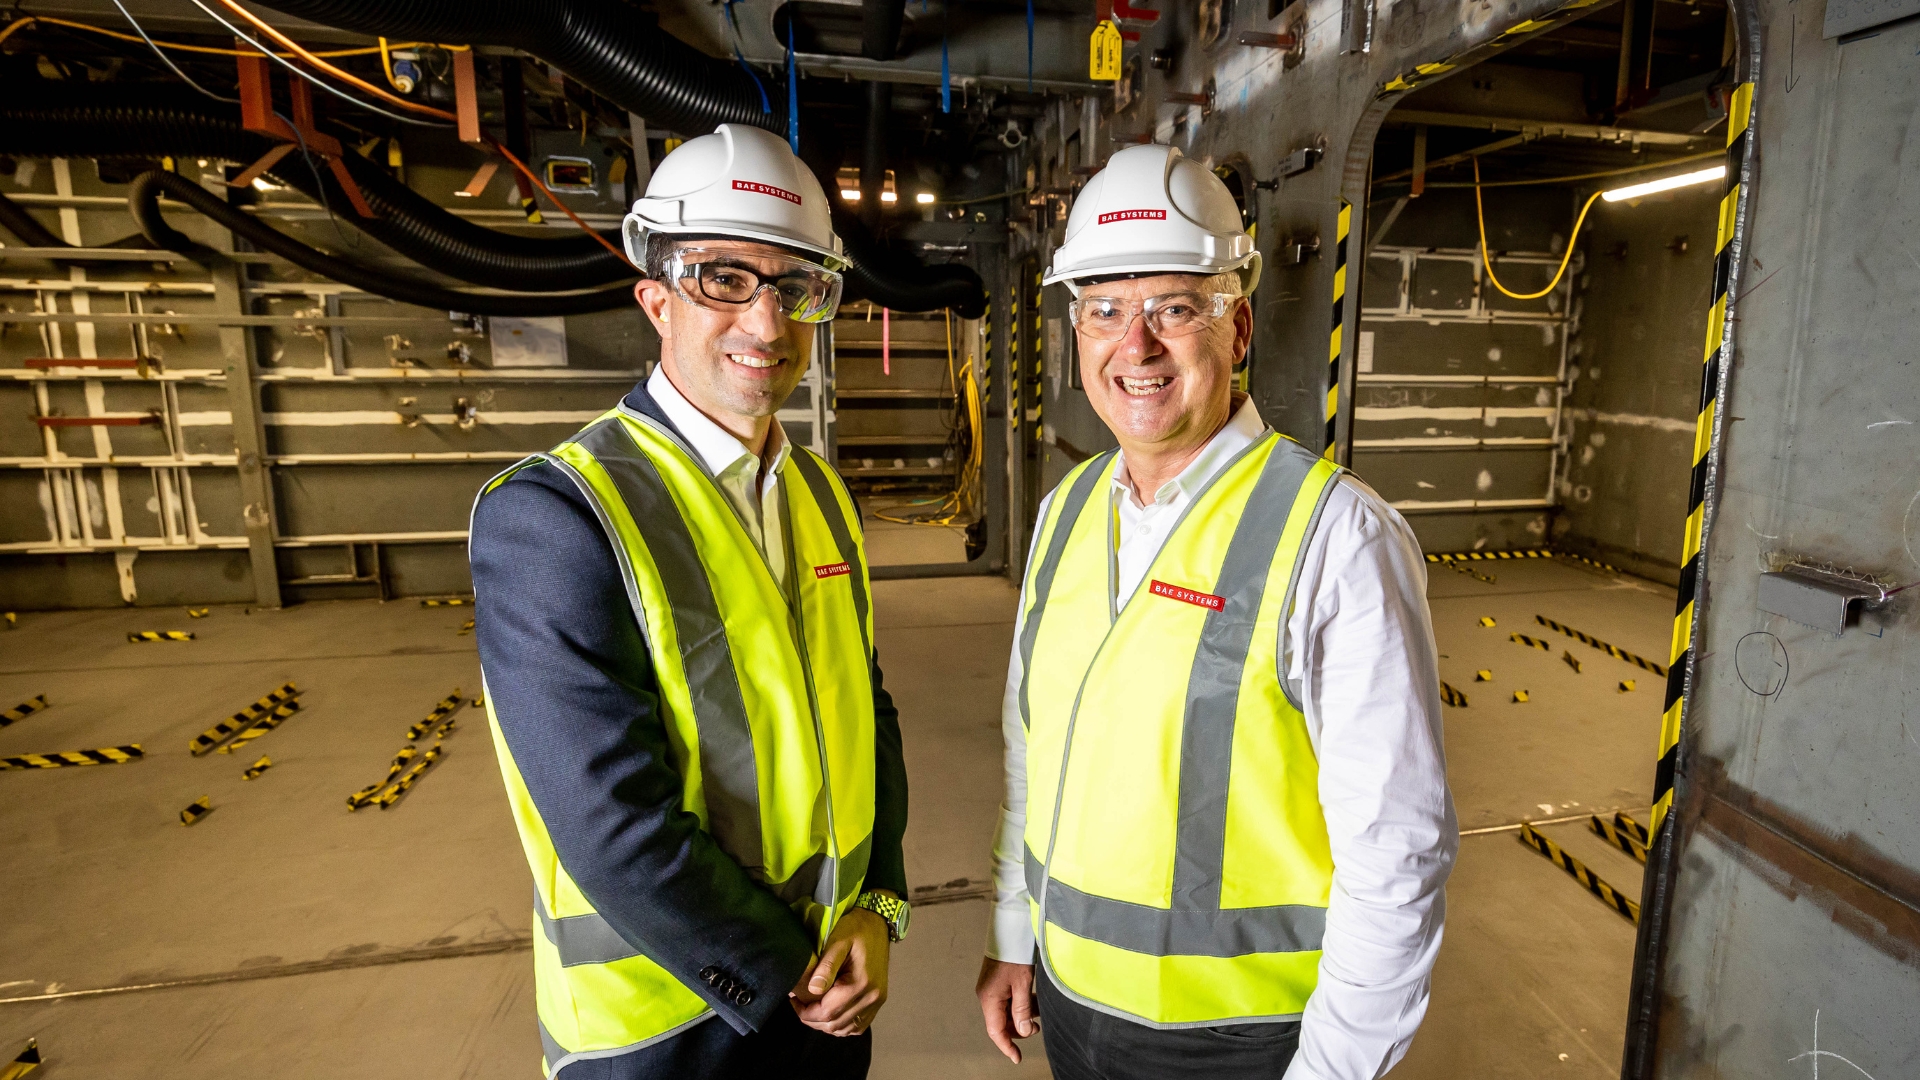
(891, 908)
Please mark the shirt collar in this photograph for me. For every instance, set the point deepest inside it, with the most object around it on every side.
(720, 451)
(1242, 430)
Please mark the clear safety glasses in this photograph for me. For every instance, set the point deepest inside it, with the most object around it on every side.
(806, 292)
(1169, 315)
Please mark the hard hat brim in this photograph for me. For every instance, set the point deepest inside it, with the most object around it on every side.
(1133, 264)
(831, 260)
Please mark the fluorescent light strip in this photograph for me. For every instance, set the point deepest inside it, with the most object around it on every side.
(1668, 184)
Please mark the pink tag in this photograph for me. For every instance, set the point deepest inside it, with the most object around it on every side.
(1188, 596)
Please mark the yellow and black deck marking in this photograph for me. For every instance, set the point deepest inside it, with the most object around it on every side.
(253, 771)
(1626, 686)
(447, 601)
(1483, 675)
(1627, 825)
(13, 619)
(367, 794)
(1471, 572)
(1487, 621)
(1520, 697)
(1488, 556)
(23, 1063)
(196, 810)
(466, 629)
(1525, 640)
(1618, 837)
(260, 727)
(1452, 696)
(241, 720)
(197, 612)
(23, 710)
(106, 755)
(412, 777)
(1571, 661)
(1343, 225)
(1739, 117)
(137, 636)
(1619, 654)
(1595, 563)
(1578, 870)
(447, 707)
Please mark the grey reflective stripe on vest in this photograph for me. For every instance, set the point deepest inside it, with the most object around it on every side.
(822, 490)
(1216, 931)
(582, 939)
(1213, 687)
(727, 773)
(810, 882)
(1067, 516)
(557, 1056)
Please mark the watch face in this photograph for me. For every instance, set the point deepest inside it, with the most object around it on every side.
(900, 921)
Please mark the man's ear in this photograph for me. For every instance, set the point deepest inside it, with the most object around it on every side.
(656, 300)
(1242, 328)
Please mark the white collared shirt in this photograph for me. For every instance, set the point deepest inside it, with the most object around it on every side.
(1357, 650)
(735, 468)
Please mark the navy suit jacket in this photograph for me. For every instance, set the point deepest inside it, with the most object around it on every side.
(575, 692)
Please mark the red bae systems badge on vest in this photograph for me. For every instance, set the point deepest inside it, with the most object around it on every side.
(832, 570)
(767, 189)
(1112, 216)
(1198, 599)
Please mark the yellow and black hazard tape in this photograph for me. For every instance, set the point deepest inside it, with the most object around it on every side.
(367, 794)
(106, 755)
(412, 777)
(23, 710)
(447, 707)
(197, 809)
(1611, 896)
(1452, 695)
(1617, 653)
(1595, 563)
(137, 636)
(1525, 640)
(198, 612)
(240, 721)
(1572, 661)
(23, 1063)
(260, 727)
(1488, 556)
(1463, 568)
(447, 601)
(1618, 837)
(465, 628)
(1343, 225)
(1627, 825)
(253, 771)
(1739, 119)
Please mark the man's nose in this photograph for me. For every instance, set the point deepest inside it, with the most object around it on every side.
(1140, 340)
(762, 317)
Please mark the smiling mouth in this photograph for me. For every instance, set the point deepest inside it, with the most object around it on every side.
(1141, 388)
(757, 362)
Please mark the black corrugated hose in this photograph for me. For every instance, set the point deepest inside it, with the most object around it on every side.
(622, 54)
(143, 201)
(138, 121)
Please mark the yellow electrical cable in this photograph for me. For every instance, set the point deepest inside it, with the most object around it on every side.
(21, 24)
(1481, 213)
(386, 65)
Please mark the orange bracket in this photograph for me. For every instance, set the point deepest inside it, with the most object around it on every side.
(256, 115)
(1124, 10)
(466, 100)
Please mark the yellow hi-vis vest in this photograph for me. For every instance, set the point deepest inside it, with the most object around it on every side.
(768, 702)
(1177, 857)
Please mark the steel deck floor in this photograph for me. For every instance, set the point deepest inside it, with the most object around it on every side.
(394, 942)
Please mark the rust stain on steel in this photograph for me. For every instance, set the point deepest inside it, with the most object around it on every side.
(1864, 891)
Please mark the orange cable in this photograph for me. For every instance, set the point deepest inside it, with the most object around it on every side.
(21, 24)
(590, 230)
(347, 77)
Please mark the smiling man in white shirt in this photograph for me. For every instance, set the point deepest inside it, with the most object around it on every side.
(1227, 826)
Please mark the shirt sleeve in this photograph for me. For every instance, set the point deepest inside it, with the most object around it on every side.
(1358, 651)
(573, 688)
(887, 864)
(1010, 935)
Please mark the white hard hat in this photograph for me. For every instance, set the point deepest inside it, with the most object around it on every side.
(1152, 210)
(739, 182)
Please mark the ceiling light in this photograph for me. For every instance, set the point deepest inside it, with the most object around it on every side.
(888, 196)
(850, 194)
(925, 198)
(1668, 184)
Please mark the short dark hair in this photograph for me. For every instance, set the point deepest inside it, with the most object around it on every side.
(661, 246)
